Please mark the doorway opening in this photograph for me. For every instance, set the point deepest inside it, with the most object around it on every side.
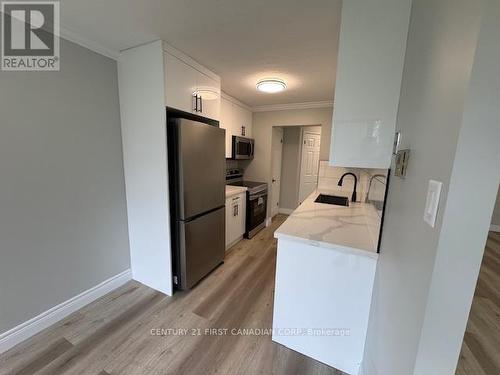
(295, 166)
(479, 353)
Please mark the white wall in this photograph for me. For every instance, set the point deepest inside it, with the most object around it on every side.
(291, 165)
(260, 167)
(143, 114)
(290, 168)
(63, 218)
(425, 278)
(465, 221)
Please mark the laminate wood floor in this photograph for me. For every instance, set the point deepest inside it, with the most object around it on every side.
(121, 333)
(480, 354)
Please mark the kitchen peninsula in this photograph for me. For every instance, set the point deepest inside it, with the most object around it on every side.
(326, 262)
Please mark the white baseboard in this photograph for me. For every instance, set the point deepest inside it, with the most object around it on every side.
(286, 211)
(31, 327)
(367, 367)
(230, 245)
(268, 221)
(495, 228)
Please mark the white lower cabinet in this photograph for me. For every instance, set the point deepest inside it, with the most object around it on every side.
(235, 218)
(325, 318)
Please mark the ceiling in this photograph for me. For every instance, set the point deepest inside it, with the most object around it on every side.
(241, 40)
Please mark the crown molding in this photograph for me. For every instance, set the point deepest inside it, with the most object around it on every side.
(233, 100)
(286, 107)
(70, 35)
(189, 60)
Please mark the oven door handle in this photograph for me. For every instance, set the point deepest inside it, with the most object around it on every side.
(257, 196)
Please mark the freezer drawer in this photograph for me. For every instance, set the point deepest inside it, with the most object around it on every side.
(201, 247)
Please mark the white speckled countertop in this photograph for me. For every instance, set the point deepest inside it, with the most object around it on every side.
(354, 228)
(234, 190)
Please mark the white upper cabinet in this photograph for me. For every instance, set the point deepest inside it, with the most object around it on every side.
(190, 87)
(368, 81)
(208, 90)
(233, 117)
(180, 84)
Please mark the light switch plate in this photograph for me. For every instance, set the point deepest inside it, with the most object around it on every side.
(432, 202)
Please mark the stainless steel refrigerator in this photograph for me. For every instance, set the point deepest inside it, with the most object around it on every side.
(196, 150)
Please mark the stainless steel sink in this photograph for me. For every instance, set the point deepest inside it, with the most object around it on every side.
(332, 199)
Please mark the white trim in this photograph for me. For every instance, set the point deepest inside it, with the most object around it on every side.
(268, 221)
(189, 60)
(495, 228)
(230, 245)
(286, 211)
(31, 327)
(233, 100)
(285, 107)
(367, 367)
(87, 43)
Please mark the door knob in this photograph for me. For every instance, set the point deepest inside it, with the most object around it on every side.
(274, 180)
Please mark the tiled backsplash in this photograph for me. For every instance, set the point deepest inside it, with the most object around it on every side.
(329, 177)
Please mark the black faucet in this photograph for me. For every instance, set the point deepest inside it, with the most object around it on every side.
(353, 198)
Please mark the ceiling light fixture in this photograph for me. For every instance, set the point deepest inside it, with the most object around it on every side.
(271, 86)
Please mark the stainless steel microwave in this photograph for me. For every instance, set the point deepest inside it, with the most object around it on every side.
(242, 148)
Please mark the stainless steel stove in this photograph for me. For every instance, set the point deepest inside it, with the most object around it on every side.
(256, 202)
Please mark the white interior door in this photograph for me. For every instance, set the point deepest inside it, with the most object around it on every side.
(277, 150)
(309, 165)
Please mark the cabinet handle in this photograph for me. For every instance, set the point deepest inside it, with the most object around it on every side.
(195, 104)
(201, 104)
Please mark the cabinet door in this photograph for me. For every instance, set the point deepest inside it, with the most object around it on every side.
(226, 121)
(368, 82)
(180, 84)
(209, 91)
(228, 221)
(243, 118)
(235, 218)
(247, 121)
(242, 214)
(232, 118)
